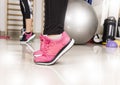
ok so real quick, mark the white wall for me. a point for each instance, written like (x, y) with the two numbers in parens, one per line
(101, 7)
(37, 15)
(3, 15)
(110, 8)
(97, 5)
(105, 8)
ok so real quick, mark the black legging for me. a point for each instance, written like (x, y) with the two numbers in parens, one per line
(26, 11)
(54, 16)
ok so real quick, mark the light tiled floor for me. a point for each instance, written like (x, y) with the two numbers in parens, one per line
(82, 65)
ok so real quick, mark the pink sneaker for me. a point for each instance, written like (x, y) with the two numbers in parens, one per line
(27, 37)
(51, 50)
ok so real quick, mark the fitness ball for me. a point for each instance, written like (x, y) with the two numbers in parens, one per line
(80, 21)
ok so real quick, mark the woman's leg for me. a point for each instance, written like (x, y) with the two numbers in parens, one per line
(27, 18)
(54, 16)
(27, 14)
(53, 48)
(23, 13)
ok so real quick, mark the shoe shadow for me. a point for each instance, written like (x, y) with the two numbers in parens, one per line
(30, 47)
(27, 48)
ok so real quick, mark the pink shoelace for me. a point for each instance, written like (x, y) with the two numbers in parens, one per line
(44, 44)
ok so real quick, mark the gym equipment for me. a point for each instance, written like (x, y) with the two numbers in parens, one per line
(109, 29)
(80, 21)
(111, 44)
(118, 28)
(118, 42)
(97, 38)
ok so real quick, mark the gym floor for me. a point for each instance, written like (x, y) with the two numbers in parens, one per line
(82, 65)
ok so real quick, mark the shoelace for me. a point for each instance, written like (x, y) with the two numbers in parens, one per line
(44, 44)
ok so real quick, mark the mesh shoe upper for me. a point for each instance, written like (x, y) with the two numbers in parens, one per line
(27, 36)
(49, 48)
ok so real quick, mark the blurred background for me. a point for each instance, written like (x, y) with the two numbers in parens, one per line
(11, 18)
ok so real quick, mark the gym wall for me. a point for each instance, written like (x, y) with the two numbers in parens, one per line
(5, 12)
(3, 15)
(103, 8)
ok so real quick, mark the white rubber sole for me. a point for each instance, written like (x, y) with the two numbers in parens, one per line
(32, 37)
(71, 43)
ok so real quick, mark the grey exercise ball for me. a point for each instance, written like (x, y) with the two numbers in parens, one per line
(80, 21)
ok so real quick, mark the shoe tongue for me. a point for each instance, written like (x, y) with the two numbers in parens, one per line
(44, 37)
(47, 38)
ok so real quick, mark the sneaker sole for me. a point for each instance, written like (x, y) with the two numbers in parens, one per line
(32, 37)
(63, 51)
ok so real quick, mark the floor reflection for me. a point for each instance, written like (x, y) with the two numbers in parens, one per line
(82, 65)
